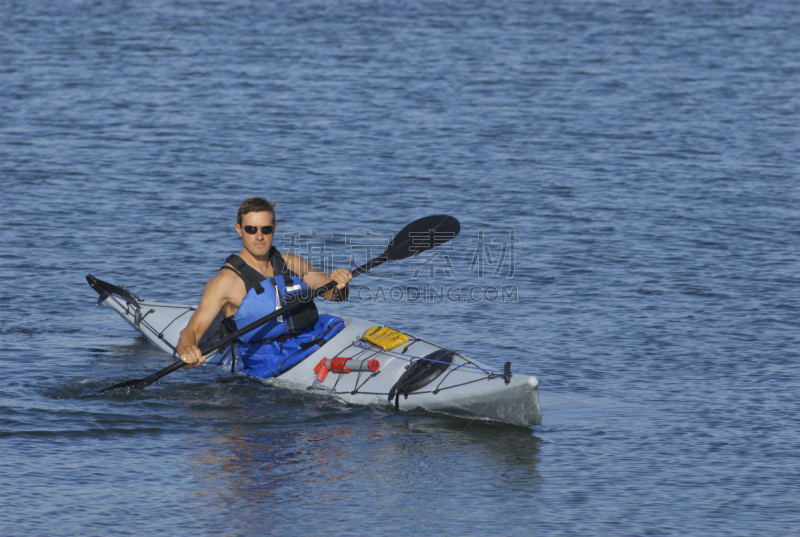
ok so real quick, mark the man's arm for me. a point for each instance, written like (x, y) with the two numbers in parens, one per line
(315, 278)
(215, 296)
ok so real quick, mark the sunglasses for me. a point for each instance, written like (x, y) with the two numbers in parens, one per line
(252, 230)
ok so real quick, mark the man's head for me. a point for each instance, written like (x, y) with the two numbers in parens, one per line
(255, 224)
(255, 205)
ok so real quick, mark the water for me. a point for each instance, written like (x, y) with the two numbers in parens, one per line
(644, 156)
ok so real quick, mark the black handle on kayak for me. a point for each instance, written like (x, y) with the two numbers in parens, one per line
(420, 235)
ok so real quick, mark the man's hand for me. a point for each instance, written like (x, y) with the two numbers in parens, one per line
(342, 277)
(339, 293)
(192, 356)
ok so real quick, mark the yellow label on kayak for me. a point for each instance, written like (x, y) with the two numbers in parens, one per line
(384, 337)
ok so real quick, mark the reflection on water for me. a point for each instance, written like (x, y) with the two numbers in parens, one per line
(258, 471)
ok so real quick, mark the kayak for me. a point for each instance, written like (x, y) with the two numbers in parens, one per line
(412, 375)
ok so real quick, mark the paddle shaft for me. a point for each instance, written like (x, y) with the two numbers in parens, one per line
(215, 345)
(405, 244)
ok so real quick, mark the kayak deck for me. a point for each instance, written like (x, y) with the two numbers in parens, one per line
(463, 387)
(466, 388)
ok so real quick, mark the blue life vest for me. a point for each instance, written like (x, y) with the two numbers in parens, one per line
(286, 341)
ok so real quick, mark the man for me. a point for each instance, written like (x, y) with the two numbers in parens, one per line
(255, 283)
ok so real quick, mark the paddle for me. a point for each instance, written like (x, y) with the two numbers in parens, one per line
(418, 236)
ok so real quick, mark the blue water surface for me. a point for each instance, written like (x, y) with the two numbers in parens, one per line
(626, 177)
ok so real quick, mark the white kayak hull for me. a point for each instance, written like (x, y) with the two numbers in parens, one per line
(466, 388)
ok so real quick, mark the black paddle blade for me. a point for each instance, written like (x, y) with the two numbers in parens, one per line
(138, 384)
(141, 384)
(421, 235)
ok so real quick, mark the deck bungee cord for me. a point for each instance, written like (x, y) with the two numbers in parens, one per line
(141, 322)
(410, 358)
(415, 377)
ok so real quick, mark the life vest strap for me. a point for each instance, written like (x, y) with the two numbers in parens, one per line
(301, 315)
(253, 278)
(250, 276)
(281, 338)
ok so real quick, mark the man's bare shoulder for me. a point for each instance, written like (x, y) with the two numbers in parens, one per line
(225, 284)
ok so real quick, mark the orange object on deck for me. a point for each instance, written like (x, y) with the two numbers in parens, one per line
(342, 364)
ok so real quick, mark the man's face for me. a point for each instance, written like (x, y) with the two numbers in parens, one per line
(259, 243)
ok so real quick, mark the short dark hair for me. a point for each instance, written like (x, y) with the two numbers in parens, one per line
(255, 205)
